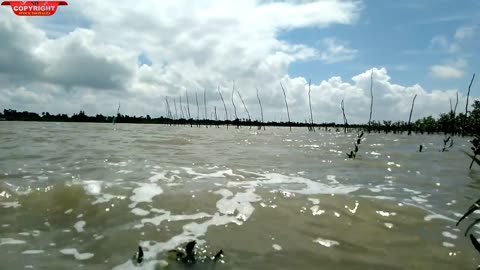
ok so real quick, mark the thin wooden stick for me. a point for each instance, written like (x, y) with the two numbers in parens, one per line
(310, 103)
(181, 108)
(466, 105)
(371, 101)
(410, 117)
(345, 121)
(205, 105)
(286, 105)
(233, 102)
(198, 109)
(261, 109)
(188, 105)
(225, 106)
(244, 106)
(216, 118)
(175, 104)
(205, 102)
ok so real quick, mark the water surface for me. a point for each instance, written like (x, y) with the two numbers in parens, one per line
(85, 195)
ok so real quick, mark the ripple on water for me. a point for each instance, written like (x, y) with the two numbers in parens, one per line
(326, 242)
(77, 255)
(33, 252)
(277, 247)
(11, 241)
(145, 193)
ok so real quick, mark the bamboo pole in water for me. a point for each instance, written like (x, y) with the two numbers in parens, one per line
(466, 106)
(216, 118)
(310, 103)
(198, 110)
(286, 105)
(233, 103)
(371, 101)
(181, 108)
(261, 109)
(175, 104)
(345, 121)
(410, 117)
(225, 106)
(245, 106)
(205, 105)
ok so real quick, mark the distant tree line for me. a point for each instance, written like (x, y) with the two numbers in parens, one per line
(448, 123)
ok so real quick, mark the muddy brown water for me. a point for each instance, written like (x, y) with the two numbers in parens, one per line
(84, 196)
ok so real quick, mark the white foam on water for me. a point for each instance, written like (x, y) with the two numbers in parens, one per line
(217, 174)
(326, 242)
(230, 203)
(32, 252)
(386, 214)
(79, 225)
(124, 171)
(68, 211)
(24, 233)
(314, 201)
(303, 185)
(388, 225)
(118, 164)
(76, 254)
(388, 198)
(354, 210)
(93, 187)
(145, 193)
(105, 197)
(167, 216)
(310, 145)
(29, 266)
(449, 235)
(11, 241)
(447, 244)
(139, 212)
(419, 200)
(437, 216)
(11, 204)
(277, 247)
(316, 211)
(240, 202)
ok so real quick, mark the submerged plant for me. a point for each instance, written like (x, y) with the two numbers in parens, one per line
(138, 256)
(188, 256)
(476, 150)
(353, 154)
(473, 208)
(445, 141)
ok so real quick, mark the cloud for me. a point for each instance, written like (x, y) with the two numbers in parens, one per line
(453, 70)
(335, 52)
(442, 43)
(191, 46)
(464, 32)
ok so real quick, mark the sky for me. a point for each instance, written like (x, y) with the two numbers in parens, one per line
(92, 55)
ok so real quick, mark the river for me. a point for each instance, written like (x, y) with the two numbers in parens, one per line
(86, 195)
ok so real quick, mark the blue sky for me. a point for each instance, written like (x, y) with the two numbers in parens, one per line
(398, 35)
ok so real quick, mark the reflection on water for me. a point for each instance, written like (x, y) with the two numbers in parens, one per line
(87, 195)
